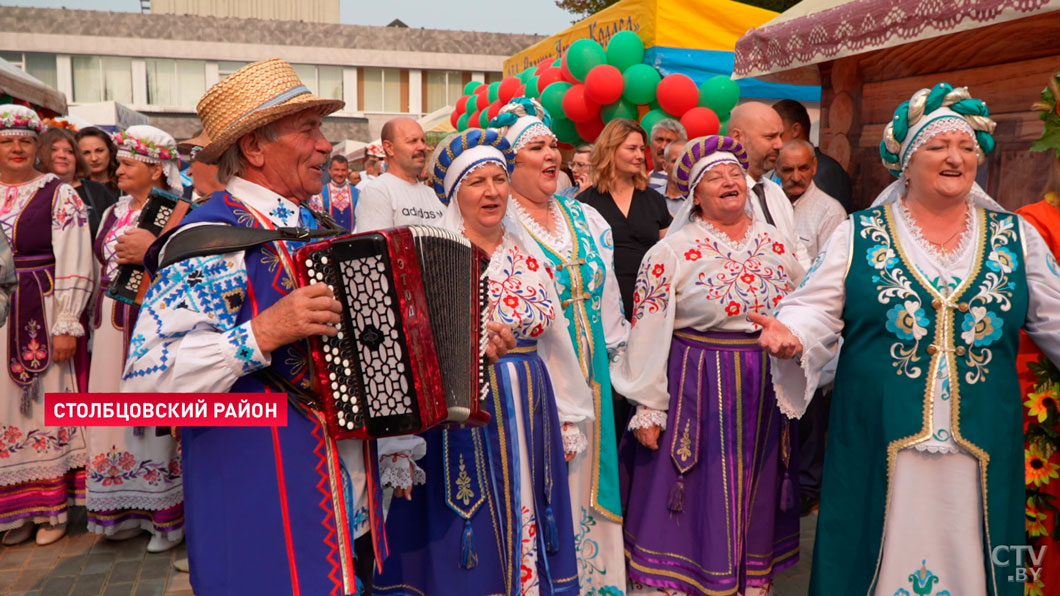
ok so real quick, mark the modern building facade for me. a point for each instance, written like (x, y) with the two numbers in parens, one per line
(161, 64)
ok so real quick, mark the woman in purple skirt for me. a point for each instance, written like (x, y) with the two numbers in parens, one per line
(708, 493)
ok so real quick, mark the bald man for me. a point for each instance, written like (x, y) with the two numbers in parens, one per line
(397, 198)
(758, 128)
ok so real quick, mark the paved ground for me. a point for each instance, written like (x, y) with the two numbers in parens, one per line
(82, 564)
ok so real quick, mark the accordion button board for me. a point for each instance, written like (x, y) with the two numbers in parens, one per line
(409, 350)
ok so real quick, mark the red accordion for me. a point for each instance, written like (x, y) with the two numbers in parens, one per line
(410, 350)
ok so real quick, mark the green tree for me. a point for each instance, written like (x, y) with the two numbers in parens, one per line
(583, 8)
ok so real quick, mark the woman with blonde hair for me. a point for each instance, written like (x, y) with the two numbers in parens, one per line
(636, 213)
(58, 153)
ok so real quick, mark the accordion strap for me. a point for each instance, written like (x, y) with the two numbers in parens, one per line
(218, 239)
(301, 399)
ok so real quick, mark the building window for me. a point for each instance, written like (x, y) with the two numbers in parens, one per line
(178, 83)
(322, 81)
(227, 67)
(382, 90)
(444, 87)
(102, 78)
(40, 66)
(493, 77)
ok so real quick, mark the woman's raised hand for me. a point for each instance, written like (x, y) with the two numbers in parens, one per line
(776, 338)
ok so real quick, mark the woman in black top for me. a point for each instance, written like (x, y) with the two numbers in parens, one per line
(637, 214)
(101, 157)
(57, 152)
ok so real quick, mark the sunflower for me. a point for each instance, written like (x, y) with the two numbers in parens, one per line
(1037, 588)
(1038, 467)
(1038, 402)
(1035, 521)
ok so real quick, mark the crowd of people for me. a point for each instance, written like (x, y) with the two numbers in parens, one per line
(677, 329)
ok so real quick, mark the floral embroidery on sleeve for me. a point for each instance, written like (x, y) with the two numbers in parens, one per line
(651, 293)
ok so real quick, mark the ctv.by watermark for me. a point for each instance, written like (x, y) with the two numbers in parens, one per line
(1025, 561)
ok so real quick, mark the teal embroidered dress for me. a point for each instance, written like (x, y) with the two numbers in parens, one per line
(923, 468)
(580, 251)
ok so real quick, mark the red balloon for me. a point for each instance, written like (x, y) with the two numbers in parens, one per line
(507, 89)
(590, 130)
(521, 92)
(567, 76)
(544, 64)
(547, 77)
(676, 94)
(473, 122)
(700, 122)
(482, 101)
(454, 117)
(604, 84)
(495, 108)
(577, 106)
(460, 105)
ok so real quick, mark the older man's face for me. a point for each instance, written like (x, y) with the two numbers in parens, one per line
(796, 167)
(295, 161)
(662, 138)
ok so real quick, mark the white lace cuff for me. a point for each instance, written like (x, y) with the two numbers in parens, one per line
(795, 380)
(647, 418)
(574, 440)
(397, 470)
(68, 325)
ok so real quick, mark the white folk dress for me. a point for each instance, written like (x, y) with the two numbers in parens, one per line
(34, 457)
(601, 562)
(934, 518)
(133, 479)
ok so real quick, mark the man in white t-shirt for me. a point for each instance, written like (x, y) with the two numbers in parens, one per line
(397, 198)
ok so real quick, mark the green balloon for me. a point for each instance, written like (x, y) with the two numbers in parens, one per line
(494, 92)
(484, 118)
(470, 106)
(652, 118)
(640, 83)
(531, 88)
(471, 86)
(583, 55)
(720, 94)
(552, 97)
(724, 130)
(565, 130)
(619, 109)
(624, 50)
(526, 75)
(461, 122)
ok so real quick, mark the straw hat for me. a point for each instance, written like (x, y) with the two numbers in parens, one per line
(252, 97)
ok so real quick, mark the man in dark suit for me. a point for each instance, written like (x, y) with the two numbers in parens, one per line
(830, 177)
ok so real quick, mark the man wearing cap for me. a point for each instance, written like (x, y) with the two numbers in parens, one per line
(203, 175)
(266, 508)
(397, 197)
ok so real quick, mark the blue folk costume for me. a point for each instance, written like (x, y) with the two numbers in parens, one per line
(267, 513)
(338, 202)
(580, 253)
(494, 514)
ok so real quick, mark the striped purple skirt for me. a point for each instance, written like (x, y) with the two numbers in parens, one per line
(713, 511)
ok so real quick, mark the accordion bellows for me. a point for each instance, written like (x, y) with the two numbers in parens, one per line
(410, 349)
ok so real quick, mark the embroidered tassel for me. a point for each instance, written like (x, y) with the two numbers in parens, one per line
(468, 556)
(676, 502)
(787, 492)
(551, 532)
(25, 405)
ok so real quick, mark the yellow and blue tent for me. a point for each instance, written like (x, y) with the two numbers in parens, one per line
(692, 37)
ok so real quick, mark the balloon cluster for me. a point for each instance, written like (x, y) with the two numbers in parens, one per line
(590, 86)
